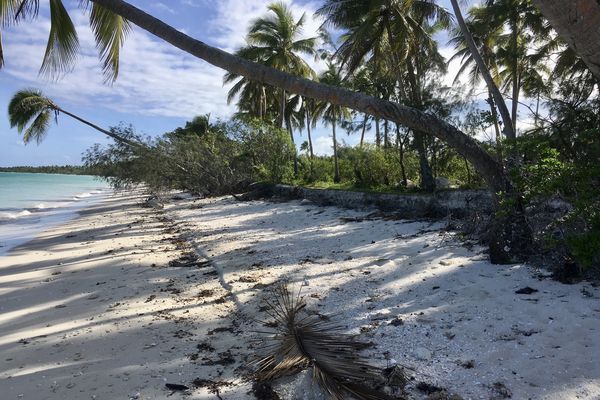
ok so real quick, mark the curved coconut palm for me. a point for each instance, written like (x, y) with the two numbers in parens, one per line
(31, 113)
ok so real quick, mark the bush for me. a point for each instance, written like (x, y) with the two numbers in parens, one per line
(268, 150)
(547, 172)
(316, 169)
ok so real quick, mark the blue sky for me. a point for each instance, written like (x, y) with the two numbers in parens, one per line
(159, 87)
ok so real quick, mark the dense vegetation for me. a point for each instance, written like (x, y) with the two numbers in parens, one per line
(50, 169)
(384, 74)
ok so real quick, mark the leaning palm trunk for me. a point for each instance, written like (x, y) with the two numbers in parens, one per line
(490, 170)
(110, 134)
(577, 22)
(485, 72)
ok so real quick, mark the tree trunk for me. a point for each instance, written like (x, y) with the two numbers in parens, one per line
(1, 53)
(515, 32)
(336, 173)
(490, 101)
(310, 146)
(427, 179)
(576, 22)
(485, 72)
(386, 139)
(291, 132)
(377, 134)
(364, 128)
(491, 171)
(282, 109)
(400, 144)
(515, 102)
(116, 137)
(261, 113)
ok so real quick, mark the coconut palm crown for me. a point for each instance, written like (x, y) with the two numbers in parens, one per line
(273, 40)
(31, 112)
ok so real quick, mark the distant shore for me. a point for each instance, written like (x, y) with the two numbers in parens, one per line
(53, 169)
(124, 299)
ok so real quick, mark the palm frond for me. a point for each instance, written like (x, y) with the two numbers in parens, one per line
(1, 52)
(11, 11)
(302, 340)
(27, 9)
(63, 43)
(110, 31)
(38, 128)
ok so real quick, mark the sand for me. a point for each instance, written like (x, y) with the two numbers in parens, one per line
(104, 307)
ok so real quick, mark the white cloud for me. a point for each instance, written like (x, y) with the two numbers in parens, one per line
(163, 7)
(323, 145)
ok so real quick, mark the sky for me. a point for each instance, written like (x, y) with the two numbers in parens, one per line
(159, 87)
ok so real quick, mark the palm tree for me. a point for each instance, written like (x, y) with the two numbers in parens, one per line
(274, 40)
(331, 113)
(31, 112)
(308, 111)
(520, 27)
(507, 226)
(395, 35)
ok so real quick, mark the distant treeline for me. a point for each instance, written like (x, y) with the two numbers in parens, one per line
(51, 169)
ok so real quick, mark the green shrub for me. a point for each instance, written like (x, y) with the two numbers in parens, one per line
(268, 150)
(317, 169)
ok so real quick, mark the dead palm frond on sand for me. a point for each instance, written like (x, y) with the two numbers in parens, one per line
(302, 340)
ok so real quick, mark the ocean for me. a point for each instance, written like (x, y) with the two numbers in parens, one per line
(31, 203)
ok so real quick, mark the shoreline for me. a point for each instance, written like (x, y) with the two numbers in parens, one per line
(15, 231)
(114, 304)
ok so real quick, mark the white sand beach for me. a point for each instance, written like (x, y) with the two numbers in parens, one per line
(100, 308)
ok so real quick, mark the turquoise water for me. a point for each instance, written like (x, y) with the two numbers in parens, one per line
(30, 203)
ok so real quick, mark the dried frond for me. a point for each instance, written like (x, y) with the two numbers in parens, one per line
(302, 340)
